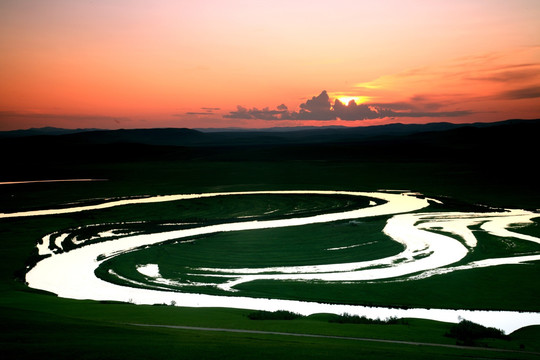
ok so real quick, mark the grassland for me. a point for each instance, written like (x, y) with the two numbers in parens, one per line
(472, 289)
(35, 324)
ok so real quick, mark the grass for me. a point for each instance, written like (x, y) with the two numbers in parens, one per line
(486, 288)
(510, 287)
(305, 245)
(63, 328)
(35, 324)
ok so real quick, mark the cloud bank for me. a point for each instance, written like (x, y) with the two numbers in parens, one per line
(531, 92)
(207, 111)
(321, 108)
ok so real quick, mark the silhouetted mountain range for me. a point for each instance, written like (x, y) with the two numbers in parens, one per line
(513, 139)
(41, 131)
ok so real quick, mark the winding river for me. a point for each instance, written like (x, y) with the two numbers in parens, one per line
(427, 252)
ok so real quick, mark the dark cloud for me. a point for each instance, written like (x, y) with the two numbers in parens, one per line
(263, 114)
(320, 108)
(509, 76)
(352, 111)
(425, 102)
(207, 111)
(531, 92)
(433, 114)
(317, 108)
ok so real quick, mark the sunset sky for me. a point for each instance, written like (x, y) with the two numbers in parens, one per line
(217, 63)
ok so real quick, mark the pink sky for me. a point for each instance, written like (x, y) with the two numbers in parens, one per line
(141, 64)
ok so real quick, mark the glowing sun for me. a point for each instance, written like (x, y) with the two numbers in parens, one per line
(357, 99)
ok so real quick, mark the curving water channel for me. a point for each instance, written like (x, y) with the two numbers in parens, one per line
(427, 252)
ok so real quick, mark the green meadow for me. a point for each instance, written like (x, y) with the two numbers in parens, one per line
(37, 324)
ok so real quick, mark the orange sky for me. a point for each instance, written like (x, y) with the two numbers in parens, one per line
(141, 64)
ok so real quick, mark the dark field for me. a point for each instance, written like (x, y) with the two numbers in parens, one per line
(36, 324)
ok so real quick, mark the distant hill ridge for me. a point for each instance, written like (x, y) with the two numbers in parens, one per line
(502, 144)
(236, 137)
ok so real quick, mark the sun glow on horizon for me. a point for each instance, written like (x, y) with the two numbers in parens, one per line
(345, 99)
(166, 63)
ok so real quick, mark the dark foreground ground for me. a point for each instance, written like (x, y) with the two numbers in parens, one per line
(38, 325)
